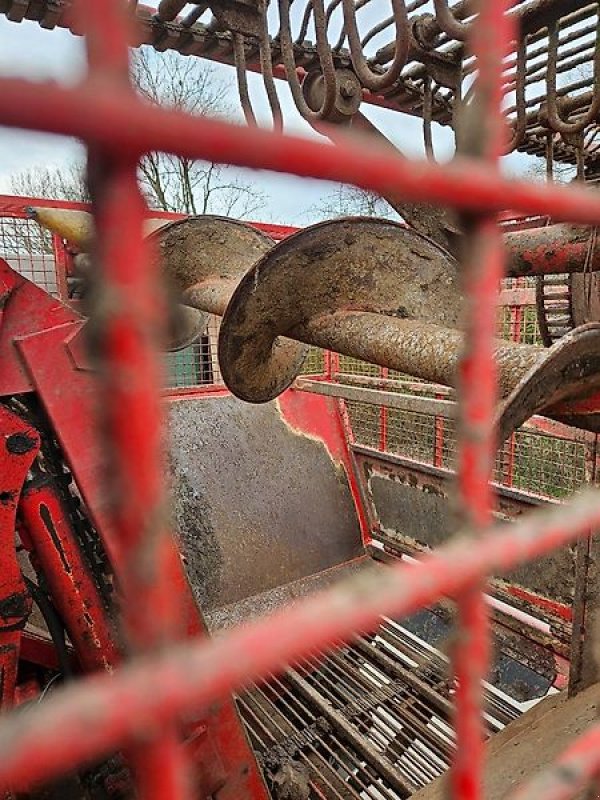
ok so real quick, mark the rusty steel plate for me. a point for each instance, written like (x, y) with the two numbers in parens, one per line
(569, 371)
(351, 264)
(257, 503)
(529, 744)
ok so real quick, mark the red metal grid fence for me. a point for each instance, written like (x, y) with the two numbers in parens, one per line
(139, 706)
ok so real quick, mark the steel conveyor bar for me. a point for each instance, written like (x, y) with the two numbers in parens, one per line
(371, 719)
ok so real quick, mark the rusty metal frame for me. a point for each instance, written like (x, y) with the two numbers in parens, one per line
(187, 35)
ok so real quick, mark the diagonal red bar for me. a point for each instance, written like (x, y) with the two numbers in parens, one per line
(104, 713)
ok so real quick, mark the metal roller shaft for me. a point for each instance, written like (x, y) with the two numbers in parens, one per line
(554, 249)
(427, 351)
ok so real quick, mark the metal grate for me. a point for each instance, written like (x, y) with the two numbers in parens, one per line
(519, 324)
(197, 365)
(542, 465)
(372, 720)
(30, 251)
(140, 706)
(315, 362)
(352, 366)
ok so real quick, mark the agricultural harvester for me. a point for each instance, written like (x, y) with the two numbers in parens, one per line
(292, 590)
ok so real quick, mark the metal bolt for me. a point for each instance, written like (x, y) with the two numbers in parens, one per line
(20, 443)
(347, 88)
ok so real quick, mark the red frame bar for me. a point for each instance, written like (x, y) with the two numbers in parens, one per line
(110, 117)
(383, 417)
(438, 437)
(482, 270)
(125, 338)
(14, 206)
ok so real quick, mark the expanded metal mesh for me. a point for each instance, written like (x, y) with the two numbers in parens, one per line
(519, 324)
(543, 465)
(540, 464)
(315, 362)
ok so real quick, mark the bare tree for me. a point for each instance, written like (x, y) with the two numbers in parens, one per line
(57, 183)
(348, 201)
(174, 183)
(561, 173)
(170, 183)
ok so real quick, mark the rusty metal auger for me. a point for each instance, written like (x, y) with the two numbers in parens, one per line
(348, 285)
(205, 258)
(204, 240)
(357, 286)
(366, 288)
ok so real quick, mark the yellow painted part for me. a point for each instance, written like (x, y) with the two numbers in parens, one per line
(77, 227)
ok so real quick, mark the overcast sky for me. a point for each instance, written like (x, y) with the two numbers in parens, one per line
(26, 50)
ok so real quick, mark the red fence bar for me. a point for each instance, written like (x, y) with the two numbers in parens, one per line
(482, 269)
(438, 438)
(125, 334)
(106, 712)
(383, 416)
(516, 320)
(104, 117)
